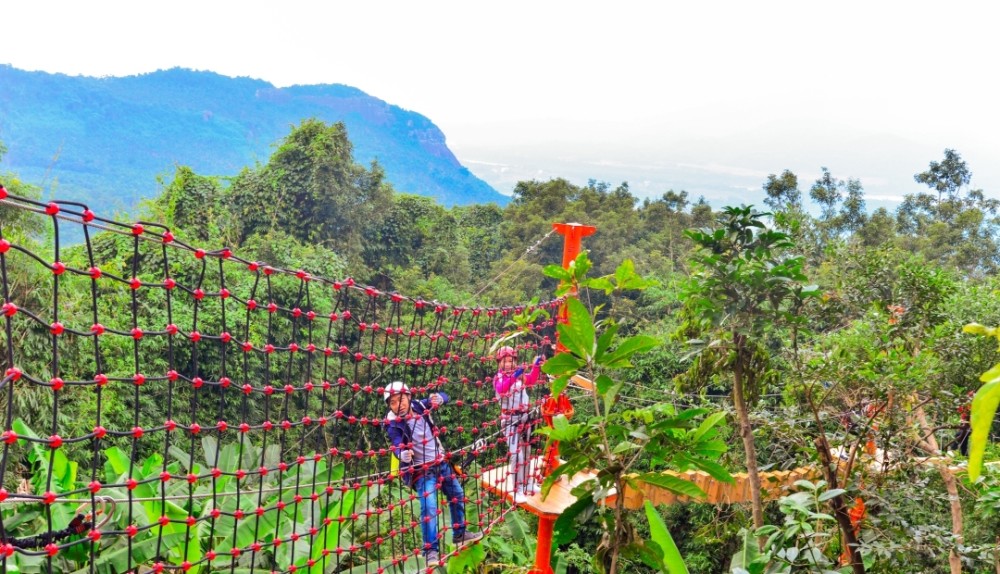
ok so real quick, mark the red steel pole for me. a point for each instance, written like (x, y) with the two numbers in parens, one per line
(573, 234)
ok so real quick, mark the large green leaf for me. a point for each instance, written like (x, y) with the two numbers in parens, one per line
(330, 534)
(210, 445)
(467, 560)
(672, 560)
(747, 560)
(708, 424)
(580, 511)
(610, 395)
(673, 484)
(52, 462)
(605, 340)
(557, 272)
(62, 469)
(562, 364)
(984, 407)
(577, 334)
(621, 355)
(117, 560)
(559, 385)
(562, 430)
(716, 470)
(580, 266)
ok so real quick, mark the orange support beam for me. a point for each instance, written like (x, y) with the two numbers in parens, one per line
(573, 234)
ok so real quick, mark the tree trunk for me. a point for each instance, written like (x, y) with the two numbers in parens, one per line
(621, 529)
(996, 556)
(746, 433)
(930, 444)
(839, 506)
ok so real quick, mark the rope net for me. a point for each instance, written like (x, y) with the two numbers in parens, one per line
(196, 411)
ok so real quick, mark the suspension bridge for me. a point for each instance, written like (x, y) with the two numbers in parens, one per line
(191, 410)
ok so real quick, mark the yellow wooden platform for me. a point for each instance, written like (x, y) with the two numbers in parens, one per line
(500, 482)
(774, 485)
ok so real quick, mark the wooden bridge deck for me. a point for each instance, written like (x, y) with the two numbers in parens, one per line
(500, 482)
(774, 484)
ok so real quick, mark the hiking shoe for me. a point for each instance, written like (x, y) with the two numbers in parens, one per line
(466, 538)
(432, 558)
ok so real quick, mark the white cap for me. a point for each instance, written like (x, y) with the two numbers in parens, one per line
(395, 388)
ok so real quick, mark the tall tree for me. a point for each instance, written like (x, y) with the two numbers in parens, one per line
(826, 192)
(852, 214)
(745, 283)
(783, 191)
(947, 225)
(312, 188)
(947, 176)
(195, 203)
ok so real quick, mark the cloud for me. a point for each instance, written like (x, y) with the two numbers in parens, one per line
(884, 197)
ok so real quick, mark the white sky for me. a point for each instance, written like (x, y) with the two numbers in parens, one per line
(728, 86)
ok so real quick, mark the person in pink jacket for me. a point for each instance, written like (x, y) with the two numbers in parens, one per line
(511, 384)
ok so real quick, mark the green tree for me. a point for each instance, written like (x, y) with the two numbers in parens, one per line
(783, 192)
(877, 229)
(826, 191)
(417, 233)
(480, 235)
(842, 205)
(947, 176)
(196, 204)
(852, 216)
(614, 440)
(744, 284)
(312, 189)
(663, 221)
(948, 226)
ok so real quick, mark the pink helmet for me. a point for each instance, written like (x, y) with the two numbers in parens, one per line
(506, 351)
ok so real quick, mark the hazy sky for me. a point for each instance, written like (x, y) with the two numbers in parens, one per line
(705, 96)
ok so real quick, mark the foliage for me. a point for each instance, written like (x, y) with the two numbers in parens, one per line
(984, 406)
(948, 226)
(881, 342)
(745, 284)
(312, 189)
(221, 534)
(613, 440)
(800, 543)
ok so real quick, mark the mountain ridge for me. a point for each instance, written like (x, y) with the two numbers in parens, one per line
(110, 138)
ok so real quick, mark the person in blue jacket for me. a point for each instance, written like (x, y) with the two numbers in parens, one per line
(424, 466)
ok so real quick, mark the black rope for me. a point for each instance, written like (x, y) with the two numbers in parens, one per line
(77, 526)
(371, 338)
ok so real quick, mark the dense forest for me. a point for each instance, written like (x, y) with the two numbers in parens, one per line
(812, 323)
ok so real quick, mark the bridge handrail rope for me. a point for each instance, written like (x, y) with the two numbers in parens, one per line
(271, 391)
(530, 249)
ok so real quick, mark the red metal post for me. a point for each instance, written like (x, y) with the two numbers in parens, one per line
(572, 233)
(543, 551)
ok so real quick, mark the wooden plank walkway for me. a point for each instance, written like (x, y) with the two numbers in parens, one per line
(500, 482)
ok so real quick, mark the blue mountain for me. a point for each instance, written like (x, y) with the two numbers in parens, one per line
(108, 141)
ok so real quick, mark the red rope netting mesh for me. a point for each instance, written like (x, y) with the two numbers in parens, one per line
(167, 407)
